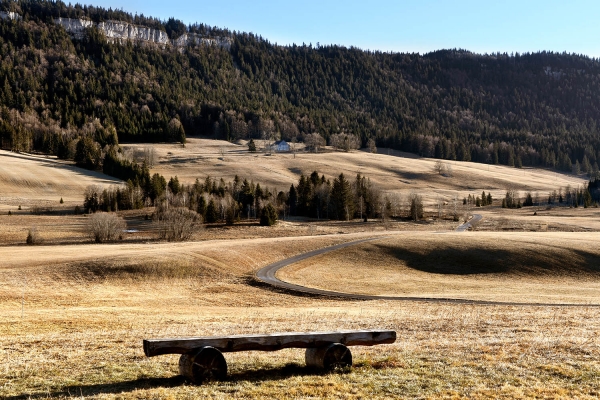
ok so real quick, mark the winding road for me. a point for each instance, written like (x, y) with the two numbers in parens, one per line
(465, 227)
(268, 276)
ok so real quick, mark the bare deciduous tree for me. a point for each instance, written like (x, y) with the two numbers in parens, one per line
(438, 167)
(447, 170)
(345, 142)
(314, 142)
(397, 204)
(416, 206)
(176, 223)
(371, 145)
(455, 207)
(104, 227)
(439, 204)
(150, 156)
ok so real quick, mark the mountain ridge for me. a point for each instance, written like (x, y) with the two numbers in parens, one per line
(538, 109)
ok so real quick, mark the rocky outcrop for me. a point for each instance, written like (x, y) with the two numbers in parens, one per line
(124, 31)
(9, 15)
(120, 31)
(188, 39)
(76, 27)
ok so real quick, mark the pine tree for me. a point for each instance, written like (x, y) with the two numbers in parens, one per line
(342, 199)
(292, 200)
(268, 215)
(212, 213)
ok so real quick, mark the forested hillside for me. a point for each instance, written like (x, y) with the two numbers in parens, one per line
(78, 97)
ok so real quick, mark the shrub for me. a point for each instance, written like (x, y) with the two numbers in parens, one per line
(104, 227)
(33, 236)
(251, 146)
(268, 215)
(176, 223)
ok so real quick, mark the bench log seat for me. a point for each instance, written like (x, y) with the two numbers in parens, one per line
(202, 358)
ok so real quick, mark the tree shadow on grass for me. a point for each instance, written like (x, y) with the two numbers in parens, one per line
(104, 388)
(256, 376)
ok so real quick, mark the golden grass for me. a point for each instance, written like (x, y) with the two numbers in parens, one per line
(509, 267)
(393, 171)
(562, 219)
(87, 307)
(73, 314)
(30, 180)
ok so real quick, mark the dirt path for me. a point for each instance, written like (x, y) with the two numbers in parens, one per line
(267, 275)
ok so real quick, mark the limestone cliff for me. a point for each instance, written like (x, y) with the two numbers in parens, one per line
(120, 31)
(9, 15)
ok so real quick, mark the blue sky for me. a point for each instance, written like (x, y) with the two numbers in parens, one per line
(400, 26)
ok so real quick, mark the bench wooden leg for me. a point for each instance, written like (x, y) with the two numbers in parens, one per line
(203, 364)
(334, 356)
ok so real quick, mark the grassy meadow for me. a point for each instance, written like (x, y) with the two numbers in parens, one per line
(73, 314)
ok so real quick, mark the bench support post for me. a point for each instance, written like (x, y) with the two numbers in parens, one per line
(203, 364)
(330, 357)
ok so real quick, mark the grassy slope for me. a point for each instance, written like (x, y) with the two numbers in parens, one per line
(513, 267)
(397, 172)
(74, 319)
(38, 180)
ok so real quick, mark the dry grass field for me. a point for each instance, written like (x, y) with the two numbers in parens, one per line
(33, 180)
(490, 266)
(73, 314)
(392, 171)
(73, 320)
(553, 219)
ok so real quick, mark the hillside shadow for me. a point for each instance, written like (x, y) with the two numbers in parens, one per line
(255, 376)
(481, 261)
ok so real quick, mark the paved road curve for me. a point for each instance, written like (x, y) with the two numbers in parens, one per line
(267, 275)
(465, 227)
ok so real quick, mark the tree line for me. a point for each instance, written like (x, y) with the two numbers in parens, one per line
(587, 195)
(216, 201)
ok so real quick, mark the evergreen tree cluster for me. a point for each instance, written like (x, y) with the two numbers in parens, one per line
(318, 197)
(583, 196)
(537, 109)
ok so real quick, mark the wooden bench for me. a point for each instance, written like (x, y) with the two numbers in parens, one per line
(202, 357)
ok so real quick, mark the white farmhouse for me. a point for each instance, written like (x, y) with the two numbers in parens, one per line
(281, 146)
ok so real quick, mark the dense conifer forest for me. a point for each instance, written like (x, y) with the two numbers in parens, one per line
(78, 98)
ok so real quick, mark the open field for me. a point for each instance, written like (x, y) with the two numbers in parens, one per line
(73, 314)
(546, 219)
(32, 180)
(73, 320)
(393, 171)
(506, 267)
